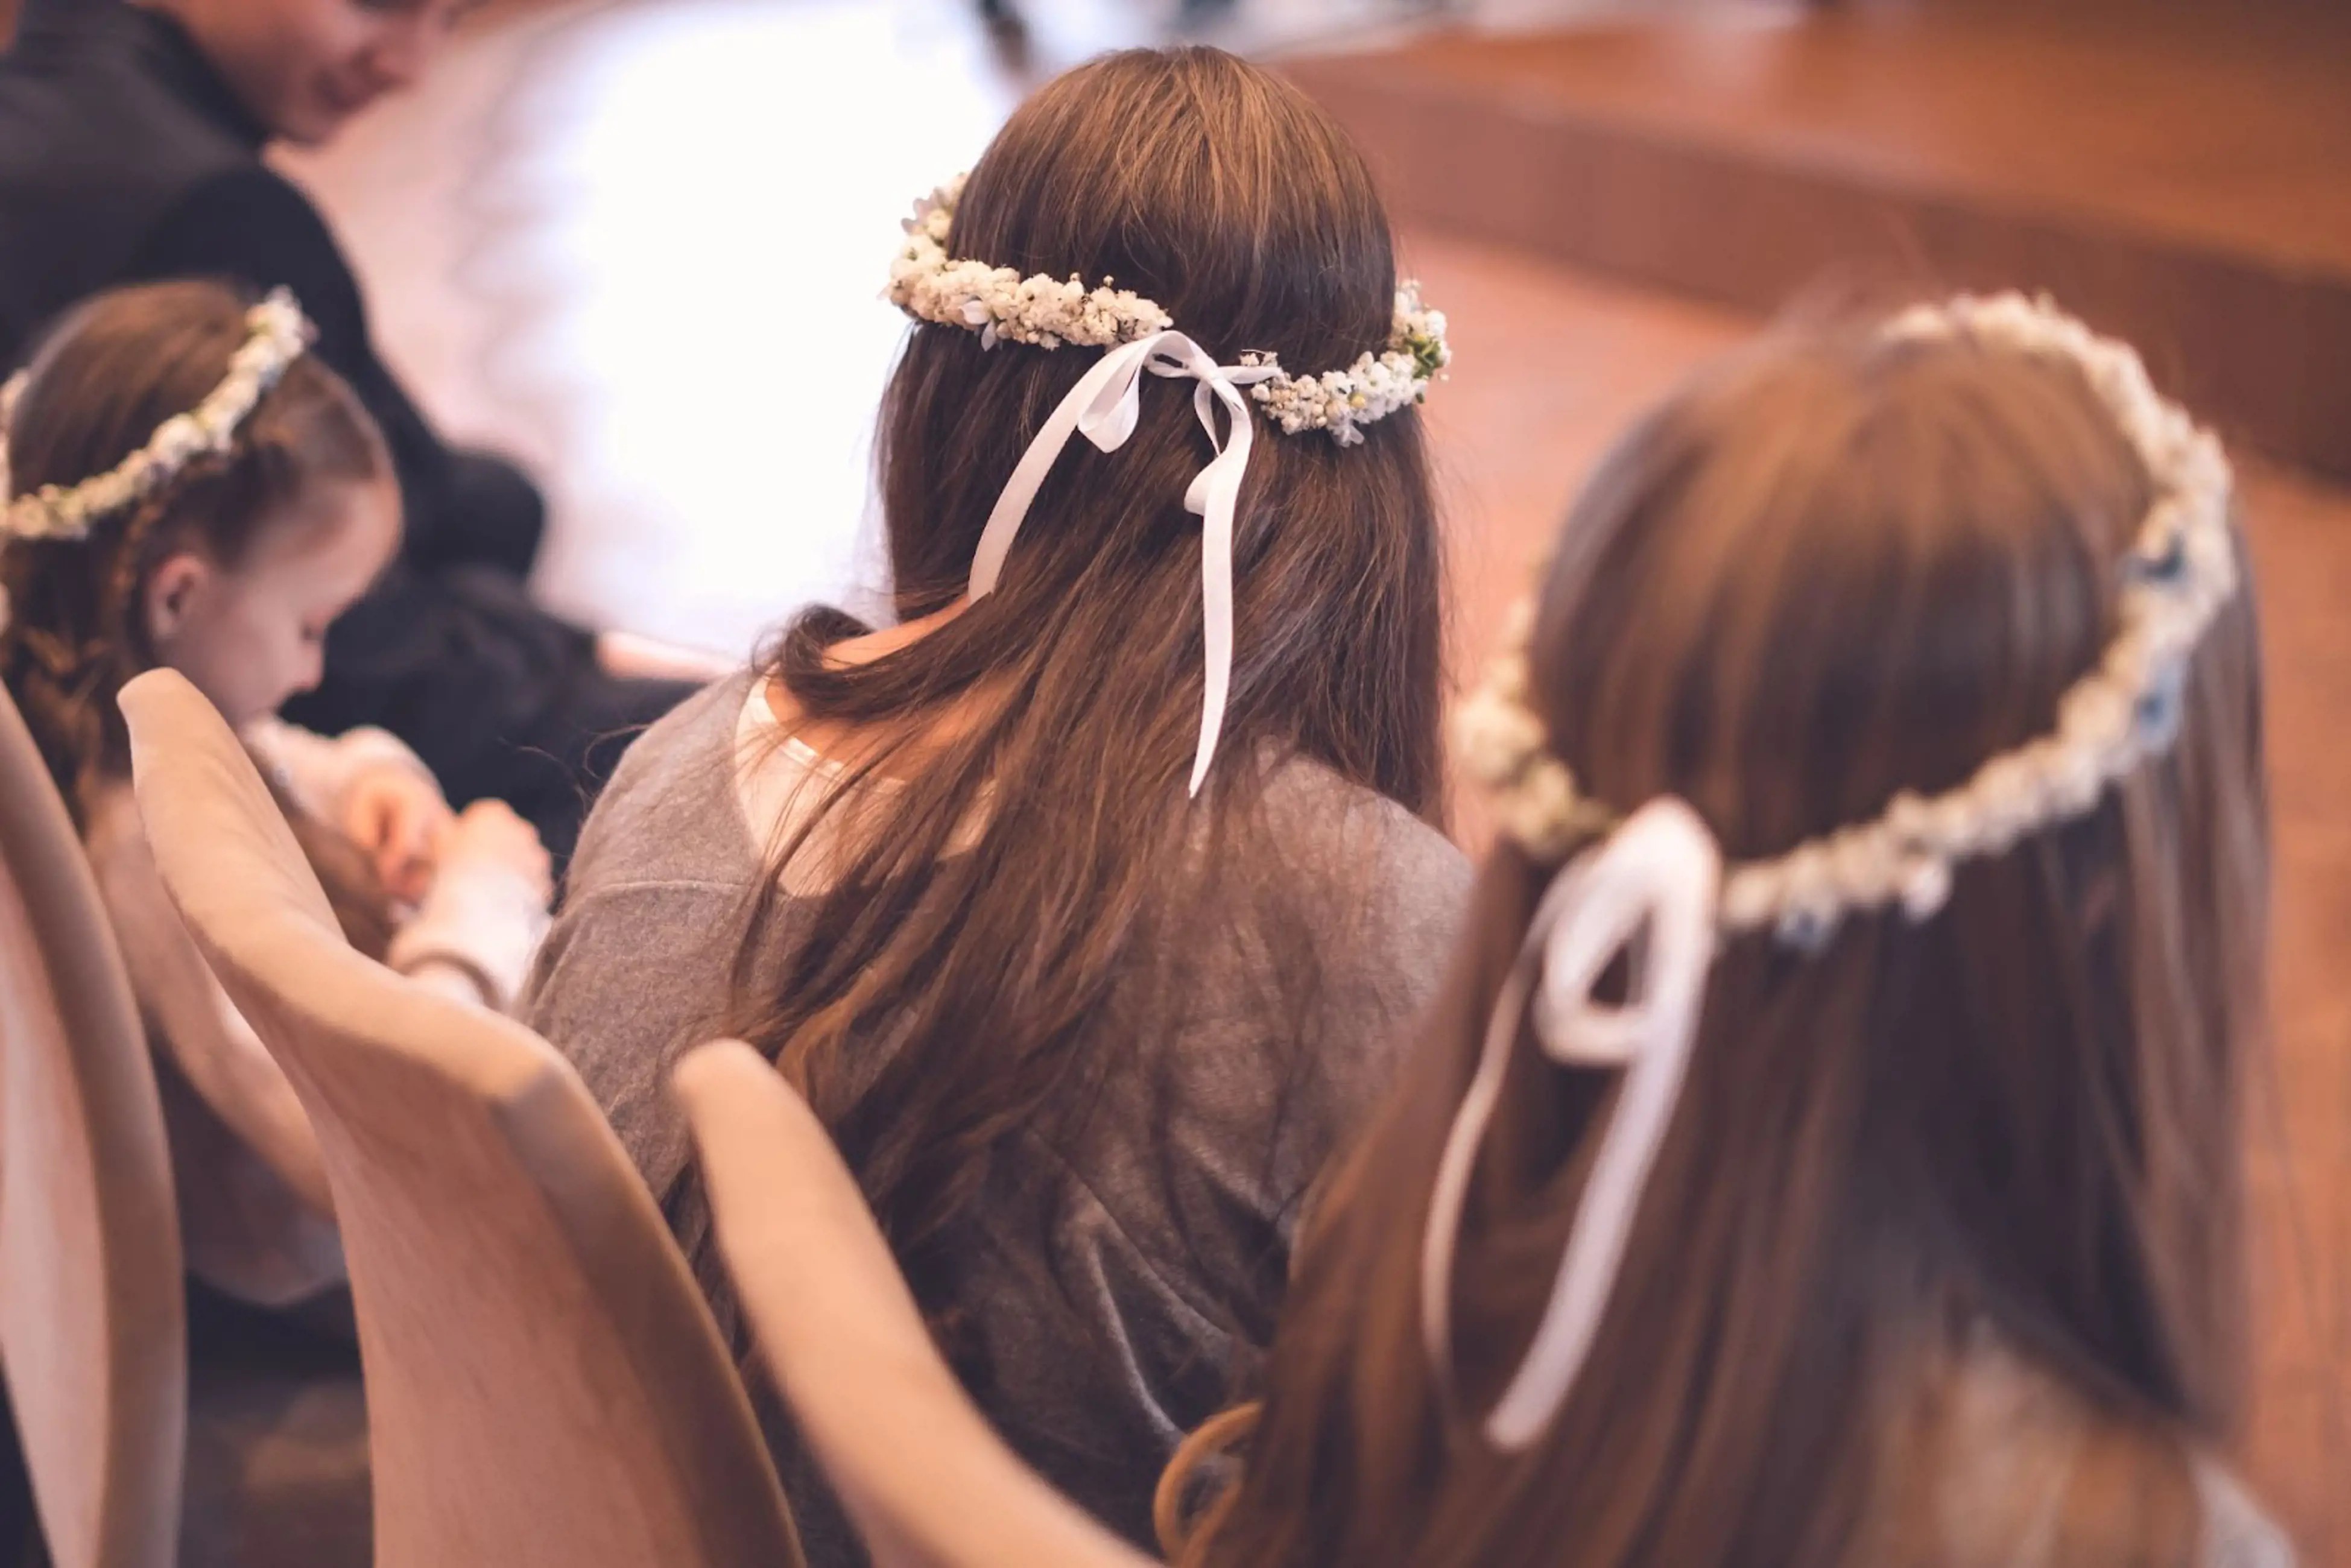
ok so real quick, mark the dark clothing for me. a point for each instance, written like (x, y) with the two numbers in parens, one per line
(505, 515)
(125, 159)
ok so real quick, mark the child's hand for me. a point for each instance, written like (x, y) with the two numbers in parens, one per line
(397, 816)
(488, 833)
(486, 912)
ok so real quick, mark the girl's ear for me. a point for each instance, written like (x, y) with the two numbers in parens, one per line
(173, 592)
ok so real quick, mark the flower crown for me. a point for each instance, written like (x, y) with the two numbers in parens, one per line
(2181, 568)
(1047, 313)
(277, 334)
(1658, 876)
(1140, 342)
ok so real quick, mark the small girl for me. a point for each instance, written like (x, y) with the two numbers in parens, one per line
(1836, 1159)
(241, 499)
(1083, 903)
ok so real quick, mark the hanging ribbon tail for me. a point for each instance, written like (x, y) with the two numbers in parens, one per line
(1216, 614)
(1103, 405)
(1215, 498)
(1656, 878)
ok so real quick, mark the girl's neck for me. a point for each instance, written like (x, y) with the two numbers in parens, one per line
(849, 743)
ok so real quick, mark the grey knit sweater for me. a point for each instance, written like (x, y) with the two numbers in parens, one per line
(1123, 1270)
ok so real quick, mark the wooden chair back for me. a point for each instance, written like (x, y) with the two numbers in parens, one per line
(545, 1385)
(925, 1478)
(93, 1323)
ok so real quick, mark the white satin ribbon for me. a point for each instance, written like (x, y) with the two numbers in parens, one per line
(1104, 407)
(1658, 872)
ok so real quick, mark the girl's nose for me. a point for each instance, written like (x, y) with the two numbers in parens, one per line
(310, 671)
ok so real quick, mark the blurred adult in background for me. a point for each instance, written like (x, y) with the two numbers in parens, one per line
(131, 142)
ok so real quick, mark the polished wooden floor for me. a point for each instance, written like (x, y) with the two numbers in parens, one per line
(606, 237)
(2175, 172)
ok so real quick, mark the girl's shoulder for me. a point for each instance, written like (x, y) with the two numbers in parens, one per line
(697, 730)
(1320, 935)
(114, 840)
(2033, 1472)
(1328, 832)
(168, 974)
(111, 831)
(671, 810)
(1368, 895)
(2237, 1532)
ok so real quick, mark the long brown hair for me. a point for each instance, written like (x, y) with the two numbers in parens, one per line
(103, 382)
(2006, 1137)
(1223, 193)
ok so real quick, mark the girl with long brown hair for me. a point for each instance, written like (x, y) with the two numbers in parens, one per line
(1836, 1159)
(1082, 902)
(183, 484)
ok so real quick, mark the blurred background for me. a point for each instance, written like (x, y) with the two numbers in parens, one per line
(640, 244)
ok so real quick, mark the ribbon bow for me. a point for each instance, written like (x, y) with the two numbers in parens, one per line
(1104, 407)
(1657, 874)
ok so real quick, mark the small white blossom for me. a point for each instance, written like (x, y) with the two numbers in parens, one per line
(1924, 886)
(1543, 813)
(1497, 736)
(998, 302)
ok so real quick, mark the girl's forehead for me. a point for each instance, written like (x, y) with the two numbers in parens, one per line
(332, 522)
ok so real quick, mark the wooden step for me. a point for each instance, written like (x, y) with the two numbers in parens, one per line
(2182, 178)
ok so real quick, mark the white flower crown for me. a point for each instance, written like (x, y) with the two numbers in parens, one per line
(277, 334)
(2183, 567)
(1047, 313)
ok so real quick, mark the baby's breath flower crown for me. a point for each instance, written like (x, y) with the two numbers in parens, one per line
(2181, 568)
(276, 335)
(1047, 313)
